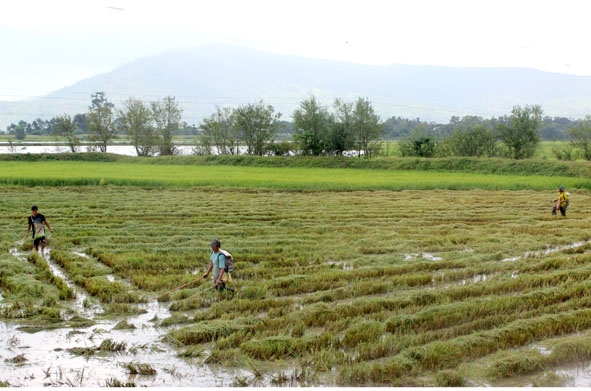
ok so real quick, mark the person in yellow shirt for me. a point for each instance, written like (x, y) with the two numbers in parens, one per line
(561, 202)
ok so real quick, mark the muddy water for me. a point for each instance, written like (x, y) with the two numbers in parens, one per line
(574, 375)
(547, 251)
(43, 359)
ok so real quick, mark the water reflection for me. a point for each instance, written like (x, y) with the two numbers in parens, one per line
(48, 357)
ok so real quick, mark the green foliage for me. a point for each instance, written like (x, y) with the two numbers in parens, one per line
(167, 118)
(366, 128)
(257, 126)
(19, 130)
(66, 127)
(580, 136)
(473, 141)
(101, 121)
(313, 125)
(564, 152)
(136, 119)
(417, 144)
(281, 148)
(218, 132)
(520, 131)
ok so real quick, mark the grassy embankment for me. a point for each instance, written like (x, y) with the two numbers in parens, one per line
(448, 283)
(333, 174)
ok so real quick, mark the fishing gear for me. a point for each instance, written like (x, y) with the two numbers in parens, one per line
(178, 287)
(204, 290)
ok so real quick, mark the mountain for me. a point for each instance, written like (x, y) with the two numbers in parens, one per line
(223, 75)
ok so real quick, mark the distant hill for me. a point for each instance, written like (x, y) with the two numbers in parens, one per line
(223, 75)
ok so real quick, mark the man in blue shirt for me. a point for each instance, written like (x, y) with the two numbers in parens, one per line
(218, 264)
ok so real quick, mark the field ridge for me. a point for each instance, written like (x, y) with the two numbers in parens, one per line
(459, 164)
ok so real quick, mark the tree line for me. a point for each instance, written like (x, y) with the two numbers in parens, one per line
(252, 129)
(351, 126)
(315, 129)
(515, 136)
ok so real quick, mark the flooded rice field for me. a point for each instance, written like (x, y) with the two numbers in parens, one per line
(106, 354)
(77, 356)
(473, 299)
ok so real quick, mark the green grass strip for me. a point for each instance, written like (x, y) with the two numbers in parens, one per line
(76, 173)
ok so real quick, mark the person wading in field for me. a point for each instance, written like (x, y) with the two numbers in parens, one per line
(36, 224)
(561, 202)
(217, 264)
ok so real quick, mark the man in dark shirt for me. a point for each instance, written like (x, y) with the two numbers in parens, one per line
(36, 224)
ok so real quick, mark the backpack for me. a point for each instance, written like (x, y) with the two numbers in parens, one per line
(567, 199)
(229, 261)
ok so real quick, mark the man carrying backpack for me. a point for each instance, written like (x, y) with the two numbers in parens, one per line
(561, 202)
(218, 265)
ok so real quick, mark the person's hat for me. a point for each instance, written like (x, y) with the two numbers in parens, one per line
(561, 188)
(216, 242)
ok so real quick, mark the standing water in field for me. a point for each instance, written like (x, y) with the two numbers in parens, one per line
(132, 350)
(104, 354)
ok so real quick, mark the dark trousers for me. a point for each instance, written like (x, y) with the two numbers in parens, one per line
(222, 287)
(562, 210)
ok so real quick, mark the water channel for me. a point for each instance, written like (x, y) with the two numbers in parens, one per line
(44, 358)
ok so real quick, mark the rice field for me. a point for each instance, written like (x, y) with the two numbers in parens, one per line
(351, 286)
(159, 174)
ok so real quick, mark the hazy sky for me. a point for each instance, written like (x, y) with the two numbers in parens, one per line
(49, 44)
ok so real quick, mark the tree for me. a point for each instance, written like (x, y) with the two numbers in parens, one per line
(257, 126)
(519, 131)
(419, 143)
(101, 126)
(65, 127)
(80, 122)
(580, 136)
(136, 120)
(367, 129)
(475, 141)
(19, 130)
(398, 127)
(312, 127)
(341, 137)
(472, 137)
(167, 116)
(40, 127)
(218, 131)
